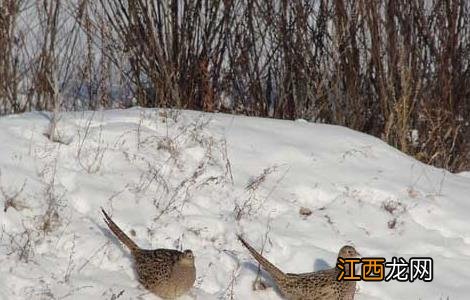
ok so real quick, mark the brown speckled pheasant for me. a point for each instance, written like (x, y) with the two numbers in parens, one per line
(167, 273)
(321, 285)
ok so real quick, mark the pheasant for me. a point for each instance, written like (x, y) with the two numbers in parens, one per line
(320, 285)
(167, 273)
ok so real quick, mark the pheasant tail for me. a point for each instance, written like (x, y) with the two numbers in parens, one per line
(124, 238)
(269, 267)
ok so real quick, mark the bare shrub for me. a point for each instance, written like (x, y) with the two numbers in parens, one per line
(251, 202)
(21, 244)
(175, 49)
(91, 149)
(10, 69)
(398, 70)
(50, 219)
(358, 64)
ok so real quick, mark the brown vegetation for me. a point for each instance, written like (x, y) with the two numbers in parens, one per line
(399, 70)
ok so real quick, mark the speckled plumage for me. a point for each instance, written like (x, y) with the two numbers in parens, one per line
(321, 285)
(167, 273)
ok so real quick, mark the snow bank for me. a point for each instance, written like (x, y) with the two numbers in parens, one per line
(183, 179)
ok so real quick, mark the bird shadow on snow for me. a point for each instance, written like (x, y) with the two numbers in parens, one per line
(320, 265)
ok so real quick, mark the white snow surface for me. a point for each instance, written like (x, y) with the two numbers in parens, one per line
(189, 180)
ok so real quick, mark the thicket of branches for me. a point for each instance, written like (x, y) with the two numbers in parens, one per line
(397, 69)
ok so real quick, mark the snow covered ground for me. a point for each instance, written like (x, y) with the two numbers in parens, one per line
(182, 179)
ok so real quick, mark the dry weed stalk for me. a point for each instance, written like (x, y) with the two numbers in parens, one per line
(398, 70)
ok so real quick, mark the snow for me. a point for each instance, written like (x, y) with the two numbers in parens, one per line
(184, 179)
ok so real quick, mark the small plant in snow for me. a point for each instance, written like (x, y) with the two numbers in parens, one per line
(394, 208)
(50, 218)
(19, 243)
(305, 211)
(12, 199)
(249, 204)
(90, 157)
(169, 145)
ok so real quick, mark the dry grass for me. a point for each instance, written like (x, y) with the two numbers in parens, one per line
(398, 70)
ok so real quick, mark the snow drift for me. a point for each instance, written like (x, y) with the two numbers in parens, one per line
(183, 179)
